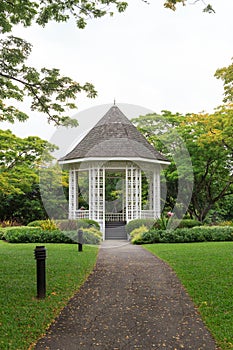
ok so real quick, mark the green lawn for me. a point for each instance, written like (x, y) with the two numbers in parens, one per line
(206, 270)
(23, 318)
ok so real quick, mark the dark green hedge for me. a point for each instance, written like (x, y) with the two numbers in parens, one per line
(25, 234)
(158, 224)
(185, 235)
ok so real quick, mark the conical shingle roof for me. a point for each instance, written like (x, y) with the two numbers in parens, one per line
(114, 136)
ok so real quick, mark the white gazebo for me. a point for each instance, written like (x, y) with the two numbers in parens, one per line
(114, 155)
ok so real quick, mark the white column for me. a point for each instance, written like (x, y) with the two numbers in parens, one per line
(133, 192)
(72, 194)
(139, 192)
(126, 195)
(91, 192)
(96, 192)
(156, 193)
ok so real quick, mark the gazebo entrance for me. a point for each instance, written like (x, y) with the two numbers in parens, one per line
(111, 192)
(115, 210)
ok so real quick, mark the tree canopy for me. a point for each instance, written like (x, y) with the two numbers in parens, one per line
(208, 138)
(50, 92)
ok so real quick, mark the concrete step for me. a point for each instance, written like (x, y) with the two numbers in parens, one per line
(117, 233)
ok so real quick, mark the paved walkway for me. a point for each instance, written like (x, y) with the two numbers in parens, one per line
(132, 300)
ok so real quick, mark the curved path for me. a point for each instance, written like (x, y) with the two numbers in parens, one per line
(132, 300)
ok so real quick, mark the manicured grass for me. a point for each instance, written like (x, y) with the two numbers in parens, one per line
(206, 271)
(23, 318)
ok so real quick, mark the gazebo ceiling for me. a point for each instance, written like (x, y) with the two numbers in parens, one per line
(114, 136)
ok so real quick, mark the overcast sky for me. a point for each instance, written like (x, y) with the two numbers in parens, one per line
(147, 56)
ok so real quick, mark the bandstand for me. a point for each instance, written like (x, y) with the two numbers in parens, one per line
(114, 156)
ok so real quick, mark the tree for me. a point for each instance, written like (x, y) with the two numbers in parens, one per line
(209, 142)
(54, 183)
(19, 160)
(172, 4)
(226, 75)
(50, 92)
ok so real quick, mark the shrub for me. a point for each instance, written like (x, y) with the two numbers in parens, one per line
(36, 223)
(49, 225)
(2, 231)
(70, 225)
(132, 225)
(90, 236)
(138, 231)
(9, 223)
(225, 223)
(136, 234)
(185, 235)
(25, 234)
(189, 223)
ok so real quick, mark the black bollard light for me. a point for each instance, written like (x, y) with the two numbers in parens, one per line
(80, 240)
(40, 256)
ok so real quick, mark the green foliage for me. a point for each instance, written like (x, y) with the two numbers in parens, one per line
(158, 224)
(19, 161)
(9, 223)
(36, 223)
(189, 223)
(132, 225)
(49, 225)
(49, 91)
(90, 236)
(185, 235)
(226, 75)
(172, 5)
(86, 223)
(203, 168)
(66, 272)
(54, 184)
(25, 234)
(225, 223)
(138, 230)
(44, 11)
(137, 233)
(46, 231)
(69, 225)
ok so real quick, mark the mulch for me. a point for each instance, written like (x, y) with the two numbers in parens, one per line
(132, 300)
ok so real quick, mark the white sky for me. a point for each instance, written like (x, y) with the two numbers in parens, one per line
(147, 56)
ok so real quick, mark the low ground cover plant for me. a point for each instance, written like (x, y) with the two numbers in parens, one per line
(205, 269)
(23, 317)
(137, 232)
(132, 225)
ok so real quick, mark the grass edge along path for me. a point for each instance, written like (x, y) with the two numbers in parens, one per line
(24, 318)
(206, 271)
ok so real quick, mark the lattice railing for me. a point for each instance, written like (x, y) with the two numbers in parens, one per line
(114, 217)
(82, 214)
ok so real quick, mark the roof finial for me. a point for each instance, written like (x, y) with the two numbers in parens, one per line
(114, 102)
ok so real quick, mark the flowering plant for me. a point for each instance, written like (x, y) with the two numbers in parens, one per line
(164, 219)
